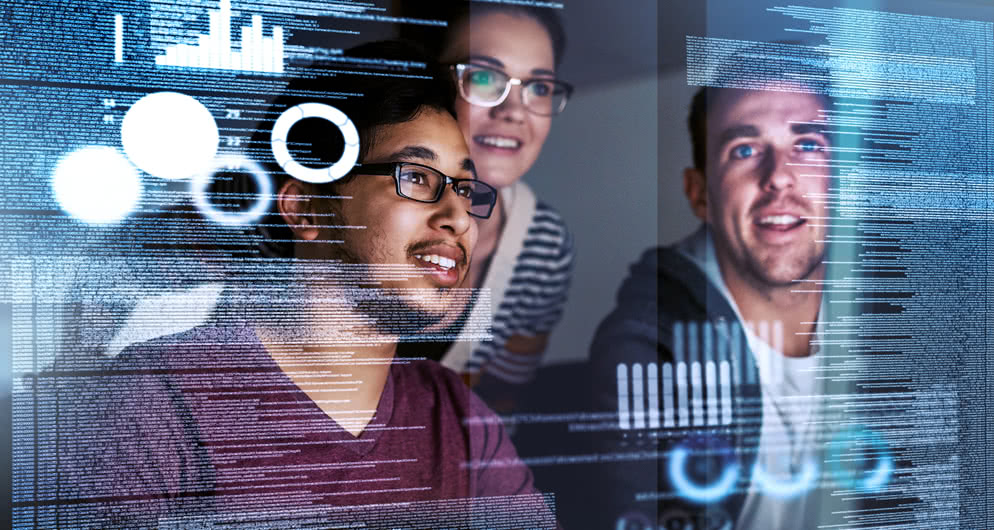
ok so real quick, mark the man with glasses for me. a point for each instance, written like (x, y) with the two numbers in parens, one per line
(291, 407)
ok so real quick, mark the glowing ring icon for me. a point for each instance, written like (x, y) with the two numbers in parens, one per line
(709, 493)
(874, 480)
(633, 520)
(786, 489)
(236, 162)
(315, 175)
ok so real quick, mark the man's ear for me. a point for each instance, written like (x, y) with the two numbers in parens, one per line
(297, 209)
(695, 186)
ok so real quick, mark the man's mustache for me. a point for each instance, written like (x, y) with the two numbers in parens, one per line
(428, 244)
(786, 201)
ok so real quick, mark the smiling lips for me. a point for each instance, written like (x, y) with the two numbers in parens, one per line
(435, 259)
(780, 228)
(780, 222)
(442, 260)
(494, 142)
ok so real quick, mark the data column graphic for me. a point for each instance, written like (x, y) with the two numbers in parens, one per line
(253, 53)
(118, 38)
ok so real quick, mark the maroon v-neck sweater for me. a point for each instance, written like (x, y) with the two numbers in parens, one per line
(205, 424)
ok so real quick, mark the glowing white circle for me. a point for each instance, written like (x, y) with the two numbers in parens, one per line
(96, 184)
(233, 162)
(169, 135)
(315, 175)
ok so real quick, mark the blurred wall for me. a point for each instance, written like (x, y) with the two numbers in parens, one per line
(613, 166)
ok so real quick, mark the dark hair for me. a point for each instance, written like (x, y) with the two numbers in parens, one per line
(458, 12)
(394, 82)
(753, 68)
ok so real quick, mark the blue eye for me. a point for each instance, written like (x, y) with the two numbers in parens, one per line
(743, 151)
(809, 146)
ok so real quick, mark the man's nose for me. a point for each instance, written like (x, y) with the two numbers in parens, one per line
(450, 214)
(777, 171)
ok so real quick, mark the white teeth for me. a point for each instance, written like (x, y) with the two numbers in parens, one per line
(498, 141)
(435, 259)
(779, 219)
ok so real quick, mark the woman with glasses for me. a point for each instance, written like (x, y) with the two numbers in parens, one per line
(504, 59)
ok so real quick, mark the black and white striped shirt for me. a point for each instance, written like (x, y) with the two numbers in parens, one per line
(529, 278)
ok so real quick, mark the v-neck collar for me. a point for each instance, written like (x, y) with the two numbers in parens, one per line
(371, 433)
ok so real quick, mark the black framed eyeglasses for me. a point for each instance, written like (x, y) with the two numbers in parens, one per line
(489, 87)
(426, 184)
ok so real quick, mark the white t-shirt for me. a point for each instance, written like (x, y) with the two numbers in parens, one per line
(787, 452)
(782, 494)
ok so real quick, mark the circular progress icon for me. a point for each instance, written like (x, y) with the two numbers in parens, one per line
(315, 175)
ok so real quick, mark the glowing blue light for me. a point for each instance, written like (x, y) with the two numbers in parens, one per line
(96, 184)
(861, 437)
(632, 520)
(879, 477)
(697, 493)
(169, 135)
(785, 489)
(233, 163)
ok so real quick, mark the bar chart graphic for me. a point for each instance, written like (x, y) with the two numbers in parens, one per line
(118, 38)
(215, 50)
(693, 395)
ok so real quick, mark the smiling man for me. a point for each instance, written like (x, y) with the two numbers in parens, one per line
(290, 408)
(760, 186)
(726, 320)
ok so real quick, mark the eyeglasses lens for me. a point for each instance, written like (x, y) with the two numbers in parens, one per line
(545, 97)
(482, 201)
(424, 184)
(486, 87)
(419, 183)
(483, 86)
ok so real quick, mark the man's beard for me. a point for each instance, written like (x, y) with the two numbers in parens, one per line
(389, 311)
(767, 276)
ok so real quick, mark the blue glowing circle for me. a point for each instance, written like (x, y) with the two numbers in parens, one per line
(785, 489)
(236, 163)
(169, 135)
(633, 521)
(315, 175)
(686, 488)
(861, 437)
(96, 184)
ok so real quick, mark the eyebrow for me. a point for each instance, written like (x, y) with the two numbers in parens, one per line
(421, 152)
(415, 151)
(468, 165)
(751, 131)
(493, 61)
(806, 128)
(736, 132)
(487, 59)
